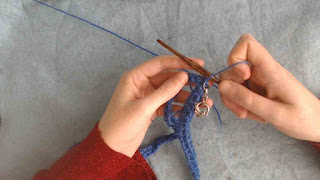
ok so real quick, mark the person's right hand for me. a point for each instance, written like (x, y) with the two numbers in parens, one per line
(272, 94)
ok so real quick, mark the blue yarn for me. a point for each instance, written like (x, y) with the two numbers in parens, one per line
(113, 33)
(180, 124)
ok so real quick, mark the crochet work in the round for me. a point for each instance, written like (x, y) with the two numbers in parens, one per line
(180, 124)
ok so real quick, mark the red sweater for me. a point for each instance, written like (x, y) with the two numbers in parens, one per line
(93, 159)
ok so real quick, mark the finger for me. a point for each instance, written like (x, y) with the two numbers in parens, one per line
(236, 109)
(160, 78)
(240, 111)
(254, 117)
(166, 91)
(232, 75)
(182, 96)
(209, 102)
(175, 108)
(261, 106)
(160, 63)
(197, 60)
(243, 71)
(268, 72)
(248, 49)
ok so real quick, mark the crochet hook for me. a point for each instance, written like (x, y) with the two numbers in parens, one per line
(191, 63)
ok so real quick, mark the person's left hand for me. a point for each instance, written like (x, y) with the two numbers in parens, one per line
(139, 98)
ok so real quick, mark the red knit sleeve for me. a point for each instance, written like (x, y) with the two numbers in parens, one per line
(93, 159)
(316, 146)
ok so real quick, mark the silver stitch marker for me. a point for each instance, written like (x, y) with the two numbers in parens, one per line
(201, 108)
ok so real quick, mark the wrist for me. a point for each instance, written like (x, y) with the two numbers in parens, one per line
(113, 142)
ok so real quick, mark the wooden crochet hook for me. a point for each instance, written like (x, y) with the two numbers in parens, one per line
(191, 63)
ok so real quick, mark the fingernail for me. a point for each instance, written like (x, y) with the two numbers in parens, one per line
(242, 116)
(224, 86)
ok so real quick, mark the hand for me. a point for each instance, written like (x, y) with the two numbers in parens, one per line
(273, 95)
(139, 98)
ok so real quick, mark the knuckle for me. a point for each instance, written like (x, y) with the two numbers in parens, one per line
(249, 99)
(226, 88)
(164, 91)
(163, 61)
(231, 59)
(126, 76)
(280, 116)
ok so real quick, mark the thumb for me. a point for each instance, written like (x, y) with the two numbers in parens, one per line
(167, 90)
(259, 105)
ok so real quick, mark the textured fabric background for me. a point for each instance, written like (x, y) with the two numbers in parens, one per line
(57, 75)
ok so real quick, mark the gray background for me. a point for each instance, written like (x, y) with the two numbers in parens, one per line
(57, 75)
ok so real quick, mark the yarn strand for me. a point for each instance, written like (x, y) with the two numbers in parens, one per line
(108, 31)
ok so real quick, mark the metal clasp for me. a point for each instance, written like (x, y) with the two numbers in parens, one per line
(201, 108)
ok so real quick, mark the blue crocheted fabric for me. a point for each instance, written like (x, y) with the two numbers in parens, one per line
(181, 125)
